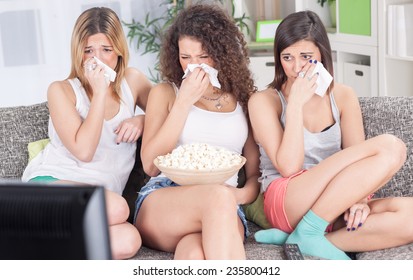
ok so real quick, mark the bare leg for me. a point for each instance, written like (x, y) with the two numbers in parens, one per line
(124, 237)
(388, 225)
(345, 178)
(168, 215)
(125, 240)
(190, 248)
(334, 185)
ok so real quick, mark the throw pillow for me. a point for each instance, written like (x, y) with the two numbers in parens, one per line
(36, 147)
(254, 212)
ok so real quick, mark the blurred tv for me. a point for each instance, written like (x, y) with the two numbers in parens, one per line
(53, 222)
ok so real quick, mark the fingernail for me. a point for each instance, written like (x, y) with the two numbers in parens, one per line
(353, 229)
(315, 61)
(348, 229)
(117, 143)
(360, 224)
(311, 61)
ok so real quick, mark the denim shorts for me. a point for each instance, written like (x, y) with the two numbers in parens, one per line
(156, 183)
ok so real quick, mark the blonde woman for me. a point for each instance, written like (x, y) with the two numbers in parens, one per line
(92, 127)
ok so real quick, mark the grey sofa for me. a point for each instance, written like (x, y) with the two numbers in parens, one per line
(24, 124)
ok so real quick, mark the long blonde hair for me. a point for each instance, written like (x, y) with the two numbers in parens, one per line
(90, 22)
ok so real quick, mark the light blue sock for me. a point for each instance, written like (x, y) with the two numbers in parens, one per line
(271, 236)
(309, 235)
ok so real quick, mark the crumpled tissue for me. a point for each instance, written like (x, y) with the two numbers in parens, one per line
(110, 74)
(324, 79)
(212, 72)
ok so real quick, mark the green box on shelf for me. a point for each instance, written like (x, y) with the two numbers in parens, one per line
(355, 17)
(266, 30)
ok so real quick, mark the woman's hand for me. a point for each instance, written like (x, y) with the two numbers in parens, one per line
(304, 86)
(130, 129)
(193, 86)
(356, 216)
(95, 74)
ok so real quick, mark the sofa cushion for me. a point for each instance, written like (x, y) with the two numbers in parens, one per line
(404, 252)
(34, 148)
(392, 115)
(254, 212)
(18, 127)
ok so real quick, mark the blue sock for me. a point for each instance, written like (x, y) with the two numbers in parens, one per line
(309, 235)
(271, 236)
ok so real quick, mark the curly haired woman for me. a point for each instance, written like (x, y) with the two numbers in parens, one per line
(199, 221)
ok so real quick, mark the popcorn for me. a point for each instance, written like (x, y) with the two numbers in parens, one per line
(199, 156)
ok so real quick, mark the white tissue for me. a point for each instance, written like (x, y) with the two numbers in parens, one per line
(110, 74)
(324, 79)
(212, 72)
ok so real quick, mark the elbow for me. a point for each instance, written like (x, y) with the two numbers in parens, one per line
(288, 172)
(151, 172)
(288, 168)
(150, 169)
(85, 156)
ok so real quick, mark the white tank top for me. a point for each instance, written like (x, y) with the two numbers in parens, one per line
(111, 164)
(228, 130)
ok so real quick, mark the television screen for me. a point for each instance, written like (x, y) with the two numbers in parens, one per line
(56, 222)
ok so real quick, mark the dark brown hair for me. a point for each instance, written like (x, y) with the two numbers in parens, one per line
(221, 40)
(304, 25)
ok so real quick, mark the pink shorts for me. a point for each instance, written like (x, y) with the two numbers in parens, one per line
(274, 198)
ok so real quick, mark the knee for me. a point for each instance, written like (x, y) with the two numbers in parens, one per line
(129, 245)
(394, 150)
(222, 200)
(191, 253)
(118, 212)
(406, 205)
(135, 242)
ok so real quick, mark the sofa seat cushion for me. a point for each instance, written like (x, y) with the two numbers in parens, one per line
(397, 253)
(253, 250)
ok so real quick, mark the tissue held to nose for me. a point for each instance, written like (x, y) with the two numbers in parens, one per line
(212, 72)
(110, 74)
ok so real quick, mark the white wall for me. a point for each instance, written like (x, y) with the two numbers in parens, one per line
(35, 43)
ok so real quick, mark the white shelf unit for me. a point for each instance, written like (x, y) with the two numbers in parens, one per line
(395, 72)
(356, 57)
(263, 70)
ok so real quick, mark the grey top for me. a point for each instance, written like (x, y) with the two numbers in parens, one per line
(317, 146)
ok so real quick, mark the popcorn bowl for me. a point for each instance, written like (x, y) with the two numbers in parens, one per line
(199, 177)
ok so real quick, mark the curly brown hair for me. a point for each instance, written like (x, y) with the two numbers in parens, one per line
(221, 40)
